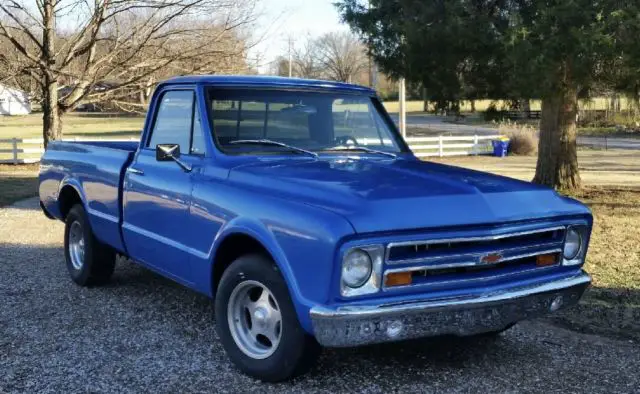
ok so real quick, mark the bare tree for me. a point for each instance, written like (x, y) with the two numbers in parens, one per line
(304, 59)
(341, 56)
(127, 42)
(279, 67)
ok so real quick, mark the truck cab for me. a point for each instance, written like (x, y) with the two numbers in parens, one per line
(296, 205)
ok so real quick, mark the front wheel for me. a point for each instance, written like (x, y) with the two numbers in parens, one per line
(89, 261)
(257, 323)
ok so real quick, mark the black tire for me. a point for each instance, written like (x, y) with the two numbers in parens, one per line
(296, 352)
(98, 261)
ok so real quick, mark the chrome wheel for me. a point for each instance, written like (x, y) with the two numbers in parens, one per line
(254, 319)
(76, 245)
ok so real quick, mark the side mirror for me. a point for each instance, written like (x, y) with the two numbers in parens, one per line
(167, 152)
(171, 152)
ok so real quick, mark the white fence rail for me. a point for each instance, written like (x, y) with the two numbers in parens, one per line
(458, 145)
(29, 150)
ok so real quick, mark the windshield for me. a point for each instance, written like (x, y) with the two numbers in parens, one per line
(313, 121)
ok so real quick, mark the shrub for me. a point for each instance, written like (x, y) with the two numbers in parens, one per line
(493, 114)
(523, 139)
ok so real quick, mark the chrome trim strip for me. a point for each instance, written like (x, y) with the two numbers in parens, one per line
(470, 281)
(478, 255)
(392, 245)
(471, 263)
(358, 311)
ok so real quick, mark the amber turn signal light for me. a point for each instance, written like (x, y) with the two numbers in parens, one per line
(398, 279)
(544, 260)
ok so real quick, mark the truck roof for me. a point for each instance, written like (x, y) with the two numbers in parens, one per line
(268, 81)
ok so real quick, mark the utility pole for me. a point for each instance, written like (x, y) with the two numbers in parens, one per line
(373, 71)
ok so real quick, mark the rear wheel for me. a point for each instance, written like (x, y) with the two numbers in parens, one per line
(257, 323)
(89, 261)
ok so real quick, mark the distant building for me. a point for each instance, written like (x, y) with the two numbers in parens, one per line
(14, 101)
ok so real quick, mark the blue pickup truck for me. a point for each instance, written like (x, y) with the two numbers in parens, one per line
(297, 206)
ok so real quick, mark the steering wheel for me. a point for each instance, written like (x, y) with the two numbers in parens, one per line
(346, 140)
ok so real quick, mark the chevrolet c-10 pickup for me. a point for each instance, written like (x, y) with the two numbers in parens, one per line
(297, 206)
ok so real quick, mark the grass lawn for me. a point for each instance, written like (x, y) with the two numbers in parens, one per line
(478, 120)
(74, 125)
(86, 125)
(17, 182)
(614, 253)
(612, 304)
(609, 132)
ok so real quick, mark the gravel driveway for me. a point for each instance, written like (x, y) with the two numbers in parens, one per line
(143, 333)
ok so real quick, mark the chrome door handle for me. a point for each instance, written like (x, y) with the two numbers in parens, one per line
(135, 171)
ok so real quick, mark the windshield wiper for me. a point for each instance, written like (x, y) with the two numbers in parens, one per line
(275, 143)
(362, 149)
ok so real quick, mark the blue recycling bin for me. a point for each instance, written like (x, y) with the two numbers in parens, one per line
(500, 147)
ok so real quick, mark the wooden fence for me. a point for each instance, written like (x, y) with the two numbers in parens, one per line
(29, 150)
(458, 145)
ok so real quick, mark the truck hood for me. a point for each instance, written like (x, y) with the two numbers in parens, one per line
(388, 195)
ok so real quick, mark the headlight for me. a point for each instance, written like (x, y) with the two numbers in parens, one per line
(356, 268)
(572, 243)
(361, 271)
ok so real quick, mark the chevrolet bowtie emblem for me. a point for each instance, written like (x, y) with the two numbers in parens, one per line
(491, 258)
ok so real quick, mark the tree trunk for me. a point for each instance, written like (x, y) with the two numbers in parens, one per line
(51, 123)
(473, 106)
(526, 108)
(425, 101)
(557, 150)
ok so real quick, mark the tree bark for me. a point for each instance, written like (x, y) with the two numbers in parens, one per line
(526, 108)
(425, 101)
(51, 124)
(557, 150)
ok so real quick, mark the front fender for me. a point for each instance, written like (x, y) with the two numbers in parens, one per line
(261, 233)
(302, 244)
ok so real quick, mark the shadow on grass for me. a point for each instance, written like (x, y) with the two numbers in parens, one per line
(16, 188)
(605, 311)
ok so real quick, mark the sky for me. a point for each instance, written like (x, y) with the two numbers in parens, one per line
(296, 18)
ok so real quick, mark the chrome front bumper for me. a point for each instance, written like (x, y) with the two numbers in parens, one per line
(463, 316)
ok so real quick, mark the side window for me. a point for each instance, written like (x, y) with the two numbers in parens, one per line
(358, 120)
(173, 120)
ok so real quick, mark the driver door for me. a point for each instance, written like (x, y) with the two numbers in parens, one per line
(157, 194)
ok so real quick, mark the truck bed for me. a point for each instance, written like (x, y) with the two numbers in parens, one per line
(95, 169)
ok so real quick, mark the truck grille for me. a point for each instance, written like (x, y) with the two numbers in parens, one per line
(446, 262)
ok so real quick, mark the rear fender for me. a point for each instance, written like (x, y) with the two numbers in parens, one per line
(75, 184)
